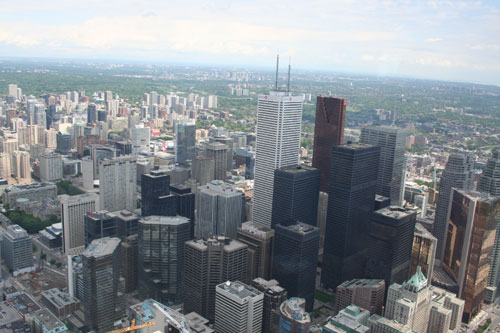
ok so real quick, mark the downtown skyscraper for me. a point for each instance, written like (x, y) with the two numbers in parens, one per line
(279, 118)
(351, 200)
(328, 133)
(391, 140)
(459, 174)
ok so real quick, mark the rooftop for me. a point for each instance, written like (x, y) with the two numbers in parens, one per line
(101, 247)
(256, 229)
(300, 168)
(58, 297)
(362, 283)
(9, 314)
(164, 220)
(295, 308)
(238, 289)
(29, 187)
(395, 212)
(228, 243)
(48, 321)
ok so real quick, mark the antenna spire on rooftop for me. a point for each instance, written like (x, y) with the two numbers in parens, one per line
(289, 68)
(277, 66)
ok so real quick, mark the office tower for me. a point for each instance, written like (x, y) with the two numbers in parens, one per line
(423, 252)
(260, 241)
(17, 250)
(368, 294)
(274, 295)
(103, 299)
(295, 259)
(355, 313)
(296, 193)
(392, 141)
(203, 169)
(238, 308)
(185, 142)
(161, 257)
(73, 211)
(117, 183)
(390, 244)
(218, 152)
(102, 115)
(22, 167)
(410, 303)
(63, 142)
(293, 316)
(230, 151)
(155, 196)
(473, 219)
(91, 114)
(351, 199)
(207, 263)
(99, 224)
(489, 182)
(446, 311)
(185, 202)
(459, 174)
(219, 208)
(328, 133)
(279, 117)
(50, 167)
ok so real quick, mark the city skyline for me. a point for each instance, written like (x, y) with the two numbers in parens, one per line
(454, 41)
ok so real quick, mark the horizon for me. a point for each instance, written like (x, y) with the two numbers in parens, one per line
(454, 41)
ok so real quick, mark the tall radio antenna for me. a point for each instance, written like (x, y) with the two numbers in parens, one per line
(289, 68)
(277, 65)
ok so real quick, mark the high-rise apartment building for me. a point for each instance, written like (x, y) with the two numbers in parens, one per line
(296, 193)
(218, 152)
(472, 225)
(51, 168)
(238, 308)
(392, 141)
(118, 183)
(17, 250)
(161, 257)
(279, 119)
(295, 259)
(73, 211)
(103, 298)
(410, 303)
(368, 294)
(274, 295)
(185, 142)
(351, 200)
(459, 174)
(328, 133)
(390, 244)
(219, 208)
(22, 167)
(260, 241)
(423, 252)
(293, 316)
(207, 263)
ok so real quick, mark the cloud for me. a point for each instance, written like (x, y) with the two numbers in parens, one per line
(433, 40)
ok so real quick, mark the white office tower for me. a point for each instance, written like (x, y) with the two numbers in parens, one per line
(238, 308)
(73, 211)
(118, 183)
(410, 303)
(51, 168)
(279, 117)
(140, 137)
(219, 210)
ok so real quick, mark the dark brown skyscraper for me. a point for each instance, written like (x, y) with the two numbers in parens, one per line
(328, 132)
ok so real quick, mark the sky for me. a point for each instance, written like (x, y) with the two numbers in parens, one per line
(435, 39)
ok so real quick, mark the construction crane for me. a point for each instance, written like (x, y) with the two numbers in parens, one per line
(133, 327)
(181, 326)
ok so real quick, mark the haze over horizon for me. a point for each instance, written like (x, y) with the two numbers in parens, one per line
(442, 40)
